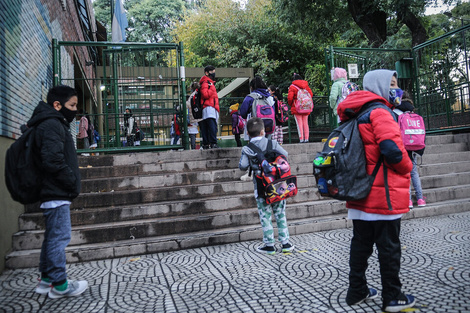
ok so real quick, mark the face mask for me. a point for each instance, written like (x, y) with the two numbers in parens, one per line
(212, 76)
(395, 96)
(68, 114)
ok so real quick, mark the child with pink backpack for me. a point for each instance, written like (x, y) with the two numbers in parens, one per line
(413, 134)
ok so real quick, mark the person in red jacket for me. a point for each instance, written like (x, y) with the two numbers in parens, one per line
(376, 218)
(210, 108)
(300, 119)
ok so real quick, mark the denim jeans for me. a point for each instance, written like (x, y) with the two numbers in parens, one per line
(208, 131)
(56, 238)
(415, 180)
(386, 236)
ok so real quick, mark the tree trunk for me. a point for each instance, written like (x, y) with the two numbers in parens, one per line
(371, 20)
(418, 32)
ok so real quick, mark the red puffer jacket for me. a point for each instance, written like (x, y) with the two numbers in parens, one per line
(381, 135)
(208, 93)
(292, 95)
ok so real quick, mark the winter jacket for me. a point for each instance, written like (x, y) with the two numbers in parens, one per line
(336, 91)
(292, 94)
(247, 103)
(208, 93)
(381, 135)
(56, 149)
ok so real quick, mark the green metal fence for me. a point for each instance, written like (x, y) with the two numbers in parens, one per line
(436, 73)
(146, 78)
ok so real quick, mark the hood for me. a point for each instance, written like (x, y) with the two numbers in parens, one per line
(406, 106)
(378, 82)
(302, 84)
(264, 92)
(44, 111)
(206, 78)
(340, 73)
(354, 102)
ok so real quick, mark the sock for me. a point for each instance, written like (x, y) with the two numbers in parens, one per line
(62, 287)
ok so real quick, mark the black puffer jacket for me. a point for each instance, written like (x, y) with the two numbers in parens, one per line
(57, 154)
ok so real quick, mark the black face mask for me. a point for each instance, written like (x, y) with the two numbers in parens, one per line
(212, 76)
(68, 114)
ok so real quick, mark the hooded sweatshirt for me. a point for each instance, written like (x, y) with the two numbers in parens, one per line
(247, 103)
(57, 154)
(340, 77)
(381, 135)
(292, 94)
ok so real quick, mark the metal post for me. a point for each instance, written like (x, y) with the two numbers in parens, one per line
(115, 83)
(183, 98)
(55, 61)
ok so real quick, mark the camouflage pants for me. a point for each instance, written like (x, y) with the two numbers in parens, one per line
(265, 212)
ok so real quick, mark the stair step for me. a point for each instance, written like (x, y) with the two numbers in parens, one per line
(134, 247)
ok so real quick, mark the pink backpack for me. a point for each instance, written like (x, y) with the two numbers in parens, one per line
(262, 109)
(304, 102)
(413, 131)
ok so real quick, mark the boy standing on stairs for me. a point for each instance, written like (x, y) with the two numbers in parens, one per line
(376, 219)
(60, 185)
(255, 129)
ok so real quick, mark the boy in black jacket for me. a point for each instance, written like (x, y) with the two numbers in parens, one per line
(60, 185)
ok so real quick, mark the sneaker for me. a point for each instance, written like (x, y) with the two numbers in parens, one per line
(288, 247)
(421, 202)
(43, 287)
(372, 295)
(74, 288)
(205, 147)
(410, 204)
(246, 177)
(266, 249)
(398, 305)
(214, 146)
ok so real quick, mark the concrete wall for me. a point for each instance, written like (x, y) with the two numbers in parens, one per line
(9, 209)
(27, 28)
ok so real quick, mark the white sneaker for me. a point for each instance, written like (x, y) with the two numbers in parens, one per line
(245, 177)
(43, 287)
(74, 288)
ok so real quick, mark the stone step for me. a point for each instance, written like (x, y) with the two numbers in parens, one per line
(443, 168)
(445, 157)
(126, 212)
(224, 216)
(176, 178)
(445, 180)
(139, 246)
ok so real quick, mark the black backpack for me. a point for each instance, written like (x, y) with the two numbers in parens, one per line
(340, 168)
(22, 169)
(196, 105)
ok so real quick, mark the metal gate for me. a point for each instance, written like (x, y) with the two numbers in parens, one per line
(147, 79)
(436, 73)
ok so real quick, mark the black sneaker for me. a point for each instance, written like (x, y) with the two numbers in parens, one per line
(398, 305)
(288, 247)
(214, 146)
(205, 147)
(266, 249)
(372, 295)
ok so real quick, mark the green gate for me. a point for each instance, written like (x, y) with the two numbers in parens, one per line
(436, 73)
(148, 79)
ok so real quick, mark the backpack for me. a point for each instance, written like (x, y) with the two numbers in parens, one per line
(340, 168)
(262, 109)
(22, 168)
(304, 102)
(196, 104)
(91, 133)
(273, 175)
(238, 123)
(413, 132)
(282, 112)
(347, 88)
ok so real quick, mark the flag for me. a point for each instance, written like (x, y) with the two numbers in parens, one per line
(118, 32)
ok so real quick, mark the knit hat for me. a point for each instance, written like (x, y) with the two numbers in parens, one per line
(234, 107)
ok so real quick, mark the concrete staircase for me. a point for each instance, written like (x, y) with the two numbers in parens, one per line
(152, 202)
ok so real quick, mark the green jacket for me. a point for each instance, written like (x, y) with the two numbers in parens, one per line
(335, 93)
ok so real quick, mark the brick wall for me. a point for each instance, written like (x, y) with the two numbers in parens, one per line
(27, 28)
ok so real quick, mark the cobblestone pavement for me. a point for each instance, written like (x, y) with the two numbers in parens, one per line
(235, 278)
